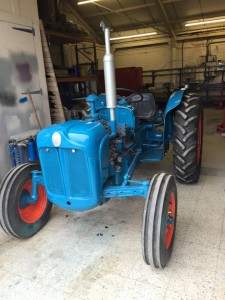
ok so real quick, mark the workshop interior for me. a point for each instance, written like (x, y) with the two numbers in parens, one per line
(112, 149)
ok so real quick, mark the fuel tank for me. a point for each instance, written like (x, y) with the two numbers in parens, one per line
(74, 159)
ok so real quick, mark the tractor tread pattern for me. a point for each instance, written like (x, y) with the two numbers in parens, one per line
(186, 119)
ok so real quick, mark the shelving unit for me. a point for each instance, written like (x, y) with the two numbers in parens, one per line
(75, 79)
(80, 79)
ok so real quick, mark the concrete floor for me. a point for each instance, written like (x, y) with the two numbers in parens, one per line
(97, 254)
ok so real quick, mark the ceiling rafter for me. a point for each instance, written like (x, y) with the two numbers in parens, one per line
(166, 24)
(68, 8)
(130, 8)
(185, 38)
(166, 19)
(176, 21)
(131, 19)
(152, 19)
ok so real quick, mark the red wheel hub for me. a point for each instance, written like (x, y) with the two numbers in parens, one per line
(171, 215)
(199, 140)
(32, 212)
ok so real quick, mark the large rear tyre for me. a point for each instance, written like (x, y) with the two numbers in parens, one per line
(159, 221)
(18, 216)
(188, 133)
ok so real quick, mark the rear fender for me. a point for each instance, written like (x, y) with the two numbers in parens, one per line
(173, 102)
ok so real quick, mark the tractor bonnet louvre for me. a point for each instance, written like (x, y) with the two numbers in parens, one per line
(67, 176)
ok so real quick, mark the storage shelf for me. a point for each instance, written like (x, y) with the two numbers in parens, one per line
(75, 79)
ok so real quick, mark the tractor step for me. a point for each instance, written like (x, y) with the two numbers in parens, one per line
(153, 154)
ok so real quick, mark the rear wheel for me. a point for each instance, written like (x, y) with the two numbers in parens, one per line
(188, 134)
(159, 220)
(20, 217)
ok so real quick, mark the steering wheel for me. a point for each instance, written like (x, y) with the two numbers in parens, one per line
(134, 97)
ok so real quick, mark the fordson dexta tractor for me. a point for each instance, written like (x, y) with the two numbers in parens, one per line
(86, 163)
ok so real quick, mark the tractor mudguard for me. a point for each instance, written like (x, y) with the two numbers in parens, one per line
(173, 102)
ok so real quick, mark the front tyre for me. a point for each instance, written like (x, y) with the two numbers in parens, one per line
(187, 139)
(159, 220)
(20, 217)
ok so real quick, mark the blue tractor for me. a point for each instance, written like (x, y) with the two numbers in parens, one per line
(85, 163)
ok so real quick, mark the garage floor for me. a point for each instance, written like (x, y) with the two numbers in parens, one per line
(97, 255)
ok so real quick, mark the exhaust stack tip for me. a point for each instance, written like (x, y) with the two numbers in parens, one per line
(109, 70)
(102, 25)
(110, 79)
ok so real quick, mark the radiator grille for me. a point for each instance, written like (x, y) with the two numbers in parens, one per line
(51, 168)
(76, 169)
(66, 169)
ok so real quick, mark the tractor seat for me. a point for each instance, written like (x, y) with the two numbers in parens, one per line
(146, 108)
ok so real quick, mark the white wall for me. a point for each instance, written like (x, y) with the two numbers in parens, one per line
(152, 57)
(161, 57)
(18, 48)
(147, 57)
(156, 53)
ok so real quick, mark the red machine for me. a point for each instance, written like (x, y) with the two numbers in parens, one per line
(128, 78)
(221, 127)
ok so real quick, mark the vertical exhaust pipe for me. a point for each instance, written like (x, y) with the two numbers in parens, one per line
(110, 79)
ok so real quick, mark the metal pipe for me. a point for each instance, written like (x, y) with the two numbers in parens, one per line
(110, 78)
(131, 168)
(112, 114)
(109, 72)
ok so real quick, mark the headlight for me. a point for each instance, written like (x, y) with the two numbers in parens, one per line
(56, 139)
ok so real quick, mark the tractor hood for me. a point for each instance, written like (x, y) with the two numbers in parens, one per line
(74, 159)
(72, 134)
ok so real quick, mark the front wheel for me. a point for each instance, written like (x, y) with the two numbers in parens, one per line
(20, 217)
(159, 220)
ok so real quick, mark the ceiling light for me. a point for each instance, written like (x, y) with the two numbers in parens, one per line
(132, 36)
(86, 2)
(203, 22)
